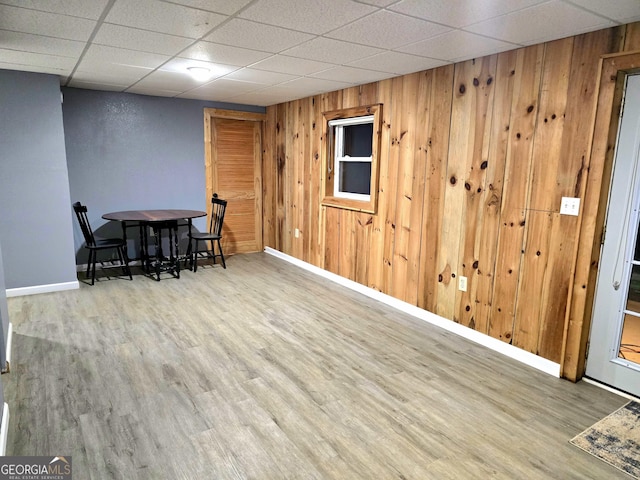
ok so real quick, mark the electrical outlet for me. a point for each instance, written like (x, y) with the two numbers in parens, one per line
(570, 206)
(296, 232)
(462, 283)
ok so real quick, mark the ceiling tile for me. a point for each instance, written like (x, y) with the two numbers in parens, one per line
(98, 56)
(37, 59)
(153, 91)
(388, 30)
(123, 75)
(355, 76)
(259, 76)
(227, 7)
(459, 13)
(41, 23)
(164, 17)
(34, 68)
(626, 11)
(243, 33)
(311, 16)
(554, 19)
(292, 65)
(168, 80)
(74, 8)
(378, 3)
(214, 52)
(331, 51)
(38, 44)
(398, 63)
(222, 86)
(95, 86)
(262, 98)
(457, 45)
(313, 85)
(133, 39)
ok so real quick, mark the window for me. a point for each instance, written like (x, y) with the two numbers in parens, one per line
(352, 139)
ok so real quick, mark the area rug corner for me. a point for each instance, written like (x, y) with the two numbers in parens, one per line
(615, 439)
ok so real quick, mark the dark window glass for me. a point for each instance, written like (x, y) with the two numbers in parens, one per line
(637, 254)
(358, 140)
(355, 177)
(633, 298)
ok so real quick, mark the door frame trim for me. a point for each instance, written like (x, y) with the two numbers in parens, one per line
(209, 115)
(613, 70)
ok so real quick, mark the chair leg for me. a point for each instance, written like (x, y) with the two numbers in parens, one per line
(224, 265)
(194, 253)
(86, 274)
(93, 268)
(125, 262)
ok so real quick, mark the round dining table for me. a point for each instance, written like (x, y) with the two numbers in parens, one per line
(157, 220)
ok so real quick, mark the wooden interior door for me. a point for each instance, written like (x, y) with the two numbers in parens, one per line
(233, 152)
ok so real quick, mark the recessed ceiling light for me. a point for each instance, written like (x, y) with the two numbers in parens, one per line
(200, 74)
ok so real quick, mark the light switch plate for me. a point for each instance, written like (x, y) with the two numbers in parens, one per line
(462, 283)
(570, 206)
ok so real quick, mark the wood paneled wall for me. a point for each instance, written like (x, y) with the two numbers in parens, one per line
(475, 158)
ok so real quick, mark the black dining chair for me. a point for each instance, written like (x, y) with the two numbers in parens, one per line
(218, 208)
(94, 244)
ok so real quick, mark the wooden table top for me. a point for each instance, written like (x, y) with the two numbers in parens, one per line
(153, 215)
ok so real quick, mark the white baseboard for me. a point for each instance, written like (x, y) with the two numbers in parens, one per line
(516, 353)
(54, 287)
(4, 430)
(626, 395)
(9, 343)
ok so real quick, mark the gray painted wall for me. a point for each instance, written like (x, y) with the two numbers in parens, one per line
(4, 320)
(35, 220)
(127, 151)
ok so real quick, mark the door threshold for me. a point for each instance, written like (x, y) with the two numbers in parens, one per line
(610, 389)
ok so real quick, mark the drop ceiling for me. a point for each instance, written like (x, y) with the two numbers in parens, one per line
(263, 52)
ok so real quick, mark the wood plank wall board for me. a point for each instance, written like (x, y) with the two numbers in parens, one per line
(549, 130)
(492, 188)
(269, 179)
(410, 175)
(314, 184)
(281, 179)
(377, 261)
(393, 159)
(524, 110)
(532, 126)
(571, 182)
(474, 183)
(438, 130)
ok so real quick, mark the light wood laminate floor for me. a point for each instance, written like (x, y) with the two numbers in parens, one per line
(265, 371)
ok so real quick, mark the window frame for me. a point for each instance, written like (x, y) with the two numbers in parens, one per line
(332, 197)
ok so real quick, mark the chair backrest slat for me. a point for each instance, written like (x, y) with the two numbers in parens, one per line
(218, 208)
(83, 220)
